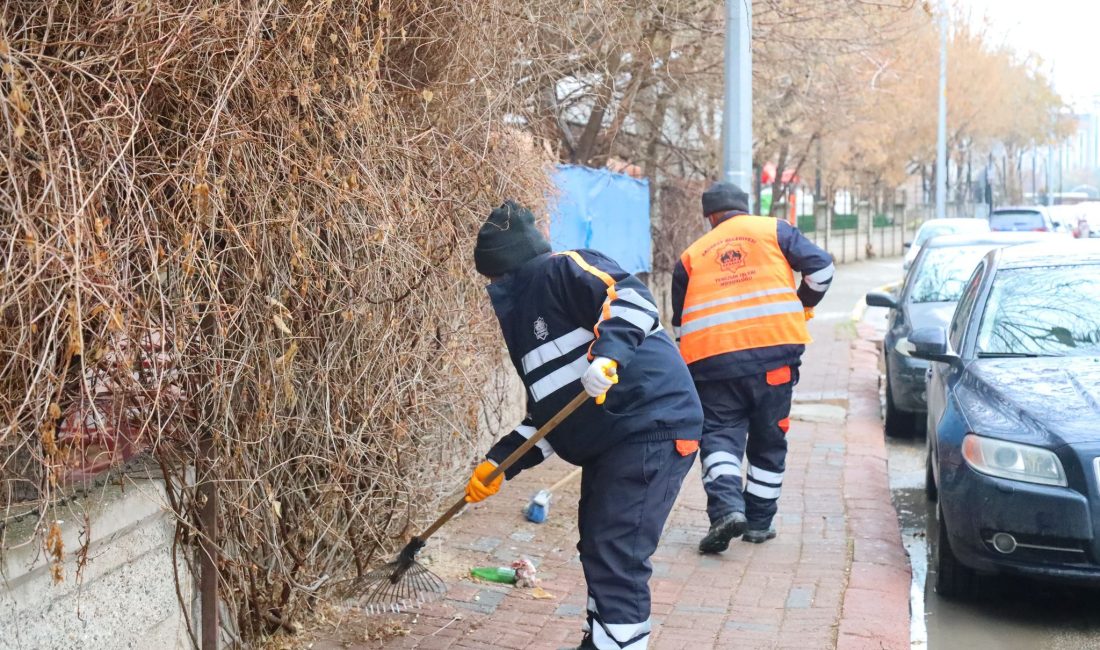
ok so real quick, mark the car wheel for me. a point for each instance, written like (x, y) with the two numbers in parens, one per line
(953, 579)
(930, 491)
(898, 424)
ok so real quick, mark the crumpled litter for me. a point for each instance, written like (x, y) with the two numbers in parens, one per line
(525, 573)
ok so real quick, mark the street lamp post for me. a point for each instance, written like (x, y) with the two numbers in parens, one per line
(1049, 163)
(941, 133)
(737, 113)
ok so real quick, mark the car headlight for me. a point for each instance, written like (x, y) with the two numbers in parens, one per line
(1013, 461)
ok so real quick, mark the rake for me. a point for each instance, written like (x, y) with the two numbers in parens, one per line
(404, 583)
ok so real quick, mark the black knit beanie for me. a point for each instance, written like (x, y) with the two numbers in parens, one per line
(724, 197)
(507, 239)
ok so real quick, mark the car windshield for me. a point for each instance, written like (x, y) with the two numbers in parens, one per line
(1042, 311)
(944, 271)
(935, 229)
(1017, 220)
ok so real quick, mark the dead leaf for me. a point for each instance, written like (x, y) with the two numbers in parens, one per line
(280, 324)
(538, 593)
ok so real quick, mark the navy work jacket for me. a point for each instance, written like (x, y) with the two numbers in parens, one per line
(560, 310)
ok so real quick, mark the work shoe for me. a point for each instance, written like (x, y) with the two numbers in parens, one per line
(586, 643)
(721, 532)
(758, 536)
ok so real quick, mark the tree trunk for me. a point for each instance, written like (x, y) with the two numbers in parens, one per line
(549, 106)
(586, 148)
(652, 166)
(777, 182)
(641, 75)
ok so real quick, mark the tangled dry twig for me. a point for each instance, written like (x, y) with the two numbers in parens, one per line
(249, 222)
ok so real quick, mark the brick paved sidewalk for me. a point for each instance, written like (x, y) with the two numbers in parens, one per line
(836, 576)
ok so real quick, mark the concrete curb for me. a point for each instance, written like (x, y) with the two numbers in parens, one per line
(875, 611)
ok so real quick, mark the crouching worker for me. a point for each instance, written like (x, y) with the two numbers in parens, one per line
(573, 320)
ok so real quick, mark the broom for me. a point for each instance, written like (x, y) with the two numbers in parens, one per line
(539, 506)
(404, 582)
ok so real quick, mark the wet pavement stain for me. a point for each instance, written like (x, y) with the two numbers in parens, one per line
(1008, 612)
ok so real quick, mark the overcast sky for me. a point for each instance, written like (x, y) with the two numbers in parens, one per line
(1065, 33)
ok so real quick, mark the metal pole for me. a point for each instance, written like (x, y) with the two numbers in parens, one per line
(941, 135)
(737, 117)
(1050, 189)
(1034, 182)
(1061, 168)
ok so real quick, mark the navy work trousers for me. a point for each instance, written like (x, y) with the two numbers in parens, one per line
(626, 495)
(746, 419)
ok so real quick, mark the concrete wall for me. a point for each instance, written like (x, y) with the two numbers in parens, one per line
(126, 597)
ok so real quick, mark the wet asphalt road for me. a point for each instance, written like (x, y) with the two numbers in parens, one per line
(1011, 613)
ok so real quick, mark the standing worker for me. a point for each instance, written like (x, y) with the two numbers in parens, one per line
(573, 320)
(742, 330)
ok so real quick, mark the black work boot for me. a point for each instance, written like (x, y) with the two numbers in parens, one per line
(758, 536)
(586, 643)
(721, 532)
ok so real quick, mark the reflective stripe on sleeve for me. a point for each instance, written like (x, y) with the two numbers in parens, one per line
(559, 379)
(605, 278)
(639, 319)
(635, 298)
(543, 445)
(819, 280)
(559, 347)
(744, 313)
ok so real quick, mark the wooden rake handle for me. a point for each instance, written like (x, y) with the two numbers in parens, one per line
(550, 425)
(567, 478)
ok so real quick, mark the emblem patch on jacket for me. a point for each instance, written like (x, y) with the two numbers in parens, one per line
(541, 330)
(731, 257)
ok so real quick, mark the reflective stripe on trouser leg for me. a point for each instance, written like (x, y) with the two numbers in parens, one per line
(766, 452)
(725, 428)
(626, 495)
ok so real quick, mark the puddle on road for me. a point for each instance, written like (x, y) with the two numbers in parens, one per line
(1008, 613)
(913, 510)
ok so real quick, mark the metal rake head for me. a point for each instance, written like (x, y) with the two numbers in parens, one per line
(400, 585)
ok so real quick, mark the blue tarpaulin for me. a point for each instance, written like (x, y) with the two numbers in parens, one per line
(605, 211)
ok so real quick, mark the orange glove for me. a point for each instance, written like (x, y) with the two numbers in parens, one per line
(808, 312)
(476, 490)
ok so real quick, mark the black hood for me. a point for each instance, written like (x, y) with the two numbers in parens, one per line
(1049, 401)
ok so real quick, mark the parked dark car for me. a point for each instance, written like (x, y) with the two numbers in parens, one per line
(927, 299)
(1014, 418)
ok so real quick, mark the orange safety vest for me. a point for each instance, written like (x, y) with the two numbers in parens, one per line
(741, 293)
